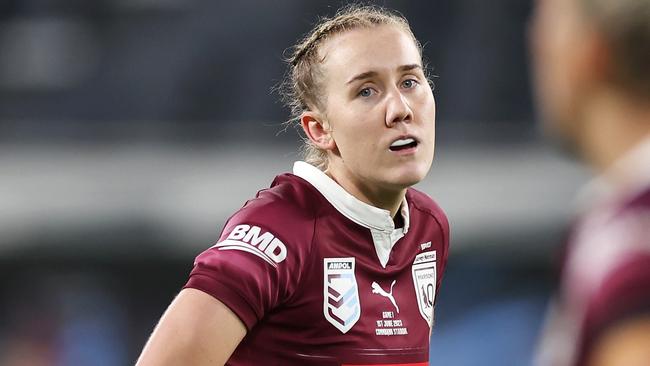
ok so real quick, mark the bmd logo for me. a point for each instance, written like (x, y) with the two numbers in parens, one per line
(248, 238)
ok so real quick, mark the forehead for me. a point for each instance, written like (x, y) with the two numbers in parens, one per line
(380, 48)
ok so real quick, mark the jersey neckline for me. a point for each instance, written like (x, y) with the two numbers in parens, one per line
(378, 220)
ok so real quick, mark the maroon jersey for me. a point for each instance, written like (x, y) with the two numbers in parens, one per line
(606, 273)
(321, 278)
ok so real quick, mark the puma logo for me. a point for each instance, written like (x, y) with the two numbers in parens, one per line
(376, 289)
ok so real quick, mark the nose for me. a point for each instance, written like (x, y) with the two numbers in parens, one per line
(397, 109)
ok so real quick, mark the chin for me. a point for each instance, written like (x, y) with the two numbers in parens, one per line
(409, 177)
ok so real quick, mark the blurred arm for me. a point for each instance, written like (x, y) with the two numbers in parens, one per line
(625, 344)
(196, 329)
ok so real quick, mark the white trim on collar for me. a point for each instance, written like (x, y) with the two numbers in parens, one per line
(351, 207)
(378, 220)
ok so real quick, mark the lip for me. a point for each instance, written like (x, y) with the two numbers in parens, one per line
(407, 151)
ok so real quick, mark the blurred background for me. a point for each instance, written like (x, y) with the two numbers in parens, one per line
(131, 129)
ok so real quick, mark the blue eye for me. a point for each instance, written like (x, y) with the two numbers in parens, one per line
(410, 83)
(365, 92)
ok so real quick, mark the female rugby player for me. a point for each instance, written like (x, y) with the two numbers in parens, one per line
(339, 262)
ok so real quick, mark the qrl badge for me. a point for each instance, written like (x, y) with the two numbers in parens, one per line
(424, 280)
(341, 305)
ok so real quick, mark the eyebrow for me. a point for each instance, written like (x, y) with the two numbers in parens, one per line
(368, 74)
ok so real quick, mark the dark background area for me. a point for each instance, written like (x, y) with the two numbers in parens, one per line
(131, 129)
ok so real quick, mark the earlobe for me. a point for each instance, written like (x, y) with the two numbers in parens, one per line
(317, 130)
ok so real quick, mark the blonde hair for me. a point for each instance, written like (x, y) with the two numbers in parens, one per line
(300, 89)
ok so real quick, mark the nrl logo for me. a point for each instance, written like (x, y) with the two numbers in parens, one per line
(341, 305)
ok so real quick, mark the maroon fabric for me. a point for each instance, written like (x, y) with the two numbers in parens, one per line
(625, 292)
(282, 303)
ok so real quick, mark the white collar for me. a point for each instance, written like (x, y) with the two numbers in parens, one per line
(351, 207)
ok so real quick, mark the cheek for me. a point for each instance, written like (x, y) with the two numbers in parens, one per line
(352, 136)
(432, 111)
(557, 44)
(427, 109)
(547, 45)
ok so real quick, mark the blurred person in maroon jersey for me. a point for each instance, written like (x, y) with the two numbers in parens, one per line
(592, 68)
(338, 263)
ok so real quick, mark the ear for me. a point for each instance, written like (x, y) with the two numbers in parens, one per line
(594, 66)
(317, 130)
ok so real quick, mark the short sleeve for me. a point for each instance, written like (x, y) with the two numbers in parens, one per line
(624, 293)
(254, 266)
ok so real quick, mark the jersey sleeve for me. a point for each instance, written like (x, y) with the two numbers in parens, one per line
(624, 294)
(255, 265)
(624, 291)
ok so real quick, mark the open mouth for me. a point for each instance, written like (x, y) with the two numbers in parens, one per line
(403, 144)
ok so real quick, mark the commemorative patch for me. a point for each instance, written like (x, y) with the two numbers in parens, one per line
(424, 281)
(341, 305)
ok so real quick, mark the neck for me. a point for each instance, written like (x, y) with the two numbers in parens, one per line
(614, 125)
(386, 199)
